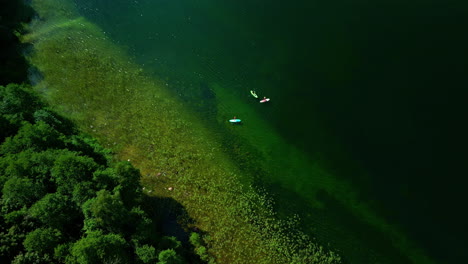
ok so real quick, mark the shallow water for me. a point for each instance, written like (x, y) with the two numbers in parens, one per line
(364, 134)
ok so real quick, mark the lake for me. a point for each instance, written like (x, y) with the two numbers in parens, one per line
(365, 133)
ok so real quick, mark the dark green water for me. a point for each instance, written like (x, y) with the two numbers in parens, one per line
(376, 89)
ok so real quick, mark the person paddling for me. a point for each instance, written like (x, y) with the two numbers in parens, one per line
(235, 120)
(252, 92)
(264, 100)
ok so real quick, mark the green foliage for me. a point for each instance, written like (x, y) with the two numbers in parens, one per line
(196, 240)
(32, 165)
(169, 242)
(97, 247)
(107, 212)
(169, 256)
(57, 122)
(15, 217)
(18, 103)
(145, 230)
(82, 192)
(32, 258)
(55, 210)
(42, 240)
(202, 253)
(8, 128)
(10, 242)
(105, 179)
(147, 254)
(128, 178)
(70, 169)
(88, 146)
(62, 251)
(38, 137)
(19, 192)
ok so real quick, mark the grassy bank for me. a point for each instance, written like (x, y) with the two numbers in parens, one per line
(93, 82)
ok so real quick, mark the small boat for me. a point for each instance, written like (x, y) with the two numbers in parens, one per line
(264, 100)
(235, 120)
(252, 92)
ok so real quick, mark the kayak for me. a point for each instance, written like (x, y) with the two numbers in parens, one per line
(265, 100)
(235, 120)
(252, 92)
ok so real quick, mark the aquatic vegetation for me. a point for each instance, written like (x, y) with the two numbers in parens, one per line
(94, 83)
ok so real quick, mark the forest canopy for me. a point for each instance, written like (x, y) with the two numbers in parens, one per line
(64, 200)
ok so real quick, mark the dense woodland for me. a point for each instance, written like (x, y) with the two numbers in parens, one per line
(63, 198)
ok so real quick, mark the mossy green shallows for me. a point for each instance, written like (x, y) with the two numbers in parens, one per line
(92, 81)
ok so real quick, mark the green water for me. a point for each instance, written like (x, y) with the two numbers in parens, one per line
(361, 126)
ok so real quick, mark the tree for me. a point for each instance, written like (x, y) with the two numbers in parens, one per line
(106, 212)
(32, 257)
(97, 247)
(169, 256)
(32, 165)
(169, 242)
(56, 211)
(147, 254)
(51, 118)
(105, 179)
(200, 249)
(18, 103)
(83, 191)
(10, 243)
(19, 192)
(195, 239)
(88, 146)
(38, 137)
(129, 187)
(70, 169)
(145, 231)
(42, 240)
(62, 251)
(8, 128)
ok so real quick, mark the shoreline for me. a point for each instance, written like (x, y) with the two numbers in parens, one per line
(117, 114)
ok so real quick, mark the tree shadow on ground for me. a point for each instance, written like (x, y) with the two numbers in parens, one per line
(170, 217)
(172, 220)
